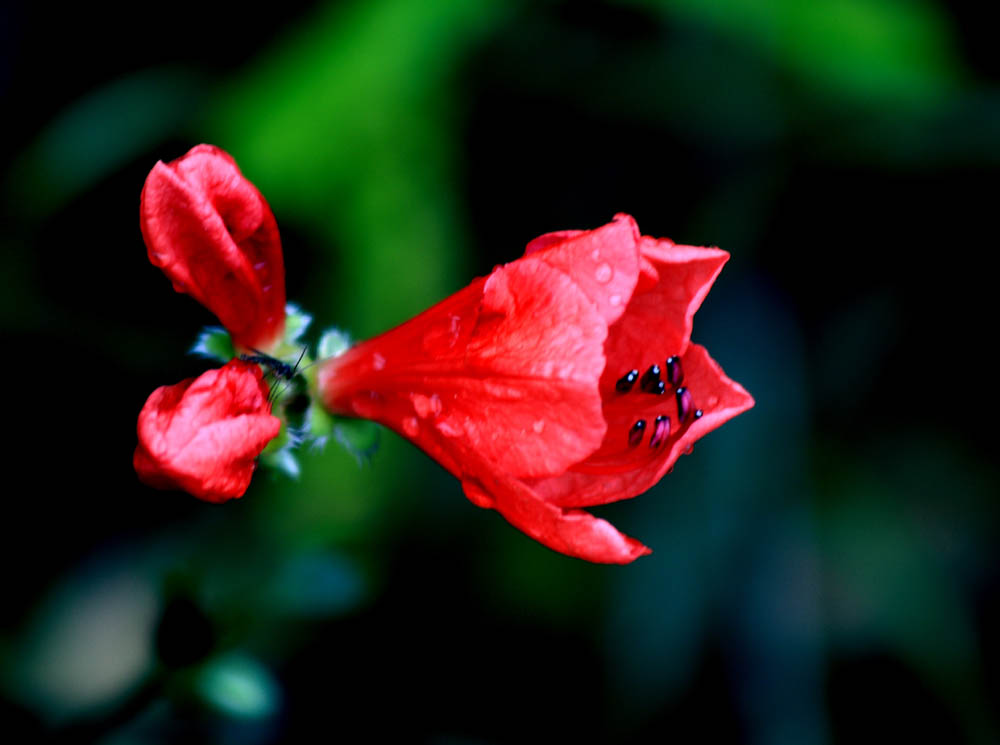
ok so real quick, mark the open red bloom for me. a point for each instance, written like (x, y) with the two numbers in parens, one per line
(562, 380)
(214, 236)
(203, 435)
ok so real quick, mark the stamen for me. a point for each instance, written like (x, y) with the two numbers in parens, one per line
(625, 383)
(675, 373)
(651, 382)
(685, 404)
(661, 429)
(635, 434)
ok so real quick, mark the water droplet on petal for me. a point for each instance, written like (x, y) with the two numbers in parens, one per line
(378, 361)
(615, 300)
(448, 428)
(596, 254)
(538, 426)
(442, 335)
(604, 273)
(505, 392)
(411, 426)
(423, 406)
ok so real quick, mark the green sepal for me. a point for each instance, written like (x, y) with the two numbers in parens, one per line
(283, 460)
(359, 437)
(296, 323)
(332, 343)
(214, 343)
(319, 423)
(279, 453)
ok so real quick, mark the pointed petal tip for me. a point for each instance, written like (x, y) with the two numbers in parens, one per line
(636, 550)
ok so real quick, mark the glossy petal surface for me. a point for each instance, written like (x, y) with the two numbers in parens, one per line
(214, 236)
(203, 435)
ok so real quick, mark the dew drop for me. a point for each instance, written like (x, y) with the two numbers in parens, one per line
(615, 300)
(538, 426)
(411, 426)
(442, 335)
(426, 406)
(596, 254)
(604, 273)
(635, 434)
(448, 428)
(505, 392)
(259, 265)
(378, 361)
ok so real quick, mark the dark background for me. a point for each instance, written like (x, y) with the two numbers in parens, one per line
(825, 566)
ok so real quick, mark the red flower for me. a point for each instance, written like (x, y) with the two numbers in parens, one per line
(203, 435)
(214, 236)
(562, 380)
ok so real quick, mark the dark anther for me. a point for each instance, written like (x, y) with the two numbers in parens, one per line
(650, 380)
(698, 413)
(661, 429)
(685, 404)
(635, 434)
(675, 373)
(626, 381)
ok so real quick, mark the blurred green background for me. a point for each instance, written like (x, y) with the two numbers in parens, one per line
(825, 567)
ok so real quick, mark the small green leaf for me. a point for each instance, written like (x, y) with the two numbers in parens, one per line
(214, 343)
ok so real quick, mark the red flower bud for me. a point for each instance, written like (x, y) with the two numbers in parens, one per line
(214, 236)
(203, 434)
(544, 387)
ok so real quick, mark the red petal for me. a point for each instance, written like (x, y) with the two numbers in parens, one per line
(204, 434)
(214, 236)
(618, 471)
(657, 322)
(505, 370)
(604, 263)
(571, 532)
